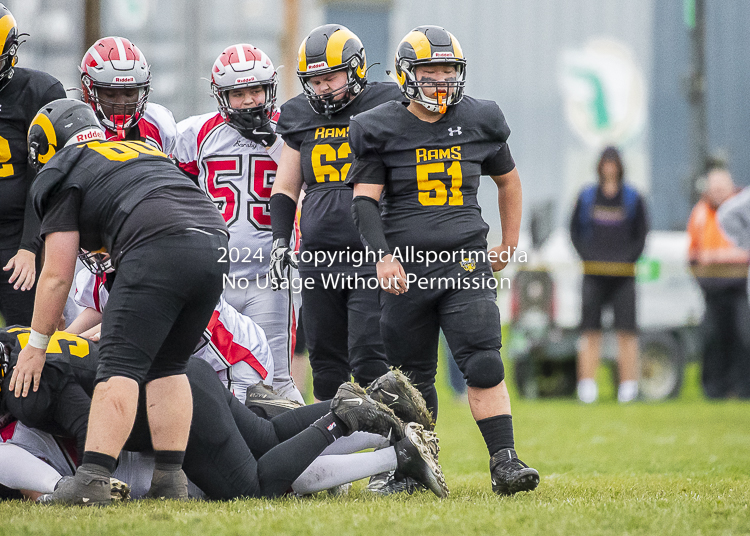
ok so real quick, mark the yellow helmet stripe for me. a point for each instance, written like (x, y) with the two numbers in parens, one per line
(44, 122)
(335, 47)
(420, 44)
(302, 57)
(456, 47)
(7, 23)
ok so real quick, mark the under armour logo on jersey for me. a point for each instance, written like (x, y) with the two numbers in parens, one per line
(453, 131)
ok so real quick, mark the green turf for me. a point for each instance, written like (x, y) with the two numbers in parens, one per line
(678, 467)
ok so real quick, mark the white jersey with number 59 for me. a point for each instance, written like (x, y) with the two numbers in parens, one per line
(237, 174)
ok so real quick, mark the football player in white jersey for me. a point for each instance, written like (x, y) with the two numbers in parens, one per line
(232, 154)
(234, 345)
(116, 82)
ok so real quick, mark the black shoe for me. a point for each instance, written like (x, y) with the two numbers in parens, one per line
(417, 456)
(168, 485)
(510, 475)
(361, 413)
(387, 484)
(265, 402)
(86, 488)
(396, 391)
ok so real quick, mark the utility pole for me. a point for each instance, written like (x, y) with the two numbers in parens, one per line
(696, 22)
(289, 45)
(92, 23)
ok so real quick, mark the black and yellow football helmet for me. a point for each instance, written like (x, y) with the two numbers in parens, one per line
(60, 123)
(326, 49)
(9, 36)
(429, 45)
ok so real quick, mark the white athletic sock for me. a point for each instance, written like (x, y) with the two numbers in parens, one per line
(329, 471)
(627, 391)
(356, 442)
(19, 469)
(588, 392)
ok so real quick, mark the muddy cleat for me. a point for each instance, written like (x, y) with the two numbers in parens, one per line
(168, 485)
(510, 475)
(396, 391)
(417, 456)
(267, 403)
(86, 488)
(388, 484)
(118, 490)
(360, 413)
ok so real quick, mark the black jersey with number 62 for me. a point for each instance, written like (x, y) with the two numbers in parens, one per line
(431, 171)
(326, 222)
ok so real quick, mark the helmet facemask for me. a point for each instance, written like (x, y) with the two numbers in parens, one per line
(118, 117)
(97, 262)
(326, 103)
(246, 120)
(446, 93)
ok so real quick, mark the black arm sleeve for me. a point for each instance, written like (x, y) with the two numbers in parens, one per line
(283, 210)
(366, 214)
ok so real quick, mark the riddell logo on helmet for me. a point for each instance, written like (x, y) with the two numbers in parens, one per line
(315, 66)
(124, 79)
(442, 55)
(245, 80)
(88, 135)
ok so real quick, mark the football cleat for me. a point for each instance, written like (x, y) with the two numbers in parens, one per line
(118, 490)
(266, 403)
(360, 413)
(168, 485)
(396, 391)
(417, 456)
(387, 484)
(86, 488)
(510, 475)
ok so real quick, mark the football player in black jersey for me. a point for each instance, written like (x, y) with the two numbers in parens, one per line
(341, 322)
(427, 159)
(22, 93)
(163, 235)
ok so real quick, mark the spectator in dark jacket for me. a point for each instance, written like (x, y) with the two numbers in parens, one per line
(608, 230)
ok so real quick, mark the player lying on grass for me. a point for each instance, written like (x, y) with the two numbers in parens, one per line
(231, 451)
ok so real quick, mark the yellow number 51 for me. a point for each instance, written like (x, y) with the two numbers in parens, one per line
(432, 192)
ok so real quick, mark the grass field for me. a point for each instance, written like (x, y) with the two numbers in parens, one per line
(678, 467)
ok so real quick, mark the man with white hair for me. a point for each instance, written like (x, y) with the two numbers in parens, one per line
(720, 268)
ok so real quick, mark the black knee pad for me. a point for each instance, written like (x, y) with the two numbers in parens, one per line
(484, 369)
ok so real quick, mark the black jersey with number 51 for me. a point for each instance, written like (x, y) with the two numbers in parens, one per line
(431, 171)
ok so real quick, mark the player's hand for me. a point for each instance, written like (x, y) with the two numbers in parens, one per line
(23, 265)
(264, 135)
(391, 275)
(501, 256)
(28, 371)
(282, 257)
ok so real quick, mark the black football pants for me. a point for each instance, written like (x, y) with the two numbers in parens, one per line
(342, 330)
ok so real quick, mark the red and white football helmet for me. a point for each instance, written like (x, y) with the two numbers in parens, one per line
(242, 66)
(115, 63)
